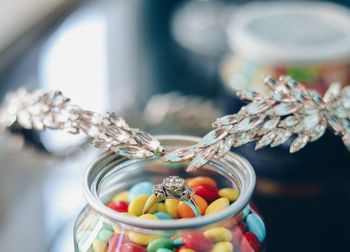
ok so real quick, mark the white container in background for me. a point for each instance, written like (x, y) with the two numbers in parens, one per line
(310, 41)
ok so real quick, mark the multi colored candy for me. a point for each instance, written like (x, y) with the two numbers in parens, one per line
(243, 232)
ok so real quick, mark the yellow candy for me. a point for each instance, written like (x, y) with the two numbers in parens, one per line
(186, 250)
(116, 230)
(122, 196)
(222, 247)
(217, 206)
(141, 238)
(148, 217)
(161, 207)
(230, 193)
(136, 206)
(153, 209)
(171, 207)
(99, 246)
(219, 234)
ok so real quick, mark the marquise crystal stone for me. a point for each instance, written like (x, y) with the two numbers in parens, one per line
(332, 93)
(118, 121)
(179, 155)
(257, 107)
(241, 139)
(148, 141)
(298, 96)
(289, 121)
(212, 137)
(284, 109)
(346, 126)
(269, 125)
(317, 132)
(341, 112)
(270, 82)
(265, 140)
(132, 152)
(308, 122)
(335, 124)
(299, 143)
(346, 103)
(246, 124)
(281, 136)
(248, 95)
(282, 97)
(224, 146)
(226, 120)
(202, 158)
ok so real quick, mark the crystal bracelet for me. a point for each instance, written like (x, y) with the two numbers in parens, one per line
(289, 109)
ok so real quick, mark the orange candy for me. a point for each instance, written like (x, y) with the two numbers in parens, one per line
(197, 181)
(184, 211)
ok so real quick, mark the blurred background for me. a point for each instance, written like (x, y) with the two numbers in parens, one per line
(171, 67)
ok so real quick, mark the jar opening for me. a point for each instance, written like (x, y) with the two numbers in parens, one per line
(111, 173)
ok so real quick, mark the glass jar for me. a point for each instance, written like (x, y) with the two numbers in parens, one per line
(99, 228)
(288, 38)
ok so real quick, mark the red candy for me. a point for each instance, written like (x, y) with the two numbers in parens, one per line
(207, 192)
(237, 233)
(114, 240)
(131, 247)
(120, 206)
(250, 243)
(198, 242)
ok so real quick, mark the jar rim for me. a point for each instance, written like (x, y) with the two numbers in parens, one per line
(246, 189)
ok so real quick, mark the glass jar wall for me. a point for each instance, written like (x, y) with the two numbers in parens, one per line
(237, 227)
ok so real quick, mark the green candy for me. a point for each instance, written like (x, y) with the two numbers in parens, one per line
(164, 250)
(104, 235)
(107, 227)
(303, 75)
(160, 243)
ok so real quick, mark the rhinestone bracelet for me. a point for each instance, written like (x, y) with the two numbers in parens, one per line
(289, 109)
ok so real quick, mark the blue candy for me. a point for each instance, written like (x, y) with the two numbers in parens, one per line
(178, 242)
(139, 189)
(163, 216)
(246, 211)
(256, 225)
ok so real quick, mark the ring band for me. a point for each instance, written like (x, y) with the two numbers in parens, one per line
(193, 206)
(172, 187)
